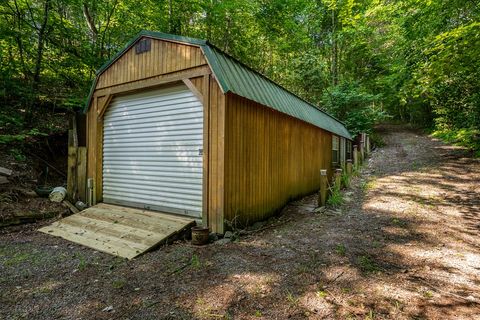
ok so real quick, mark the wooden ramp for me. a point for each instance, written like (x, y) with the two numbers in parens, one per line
(121, 231)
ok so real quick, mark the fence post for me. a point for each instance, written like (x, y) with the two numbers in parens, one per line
(355, 156)
(322, 198)
(338, 178)
(362, 149)
(367, 137)
(349, 167)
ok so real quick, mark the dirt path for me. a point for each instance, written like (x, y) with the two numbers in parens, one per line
(405, 245)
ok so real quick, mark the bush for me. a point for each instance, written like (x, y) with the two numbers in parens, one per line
(354, 106)
(469, 138)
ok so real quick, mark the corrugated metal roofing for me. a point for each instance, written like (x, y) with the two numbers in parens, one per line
(233, 76)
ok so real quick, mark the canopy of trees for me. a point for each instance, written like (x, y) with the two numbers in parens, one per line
(362, 60)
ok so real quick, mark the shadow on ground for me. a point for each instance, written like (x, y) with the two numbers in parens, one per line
(404, 245)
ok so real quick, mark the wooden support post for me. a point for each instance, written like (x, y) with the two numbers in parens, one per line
(322, 197)
(82, 173)
(71, 166)
(355, 156)
(362, 150)
(90, 196)
(338, 179)
(349, 167)
(368, 144)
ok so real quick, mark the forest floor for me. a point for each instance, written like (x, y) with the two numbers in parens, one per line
(405, 245)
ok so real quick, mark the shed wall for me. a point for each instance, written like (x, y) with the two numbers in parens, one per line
(270, 159)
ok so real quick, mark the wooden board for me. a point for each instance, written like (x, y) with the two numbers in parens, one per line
(121, 231)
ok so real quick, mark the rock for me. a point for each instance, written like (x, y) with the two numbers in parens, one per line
(223, 241)
(107, 309)
(258, 225)
(212, 236)
(321, 209)
(5, 172)
(228, 235)
(80, 205)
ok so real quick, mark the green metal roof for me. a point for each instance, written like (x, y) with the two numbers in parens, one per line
(234, 76)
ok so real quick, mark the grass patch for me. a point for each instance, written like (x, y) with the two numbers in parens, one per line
(367, 264)
(366, 185)
(82, 264)
(340, 249)
(195, 262)
(335, 198)
(345, 179)
(119, 283)
(292, 300)
(399, 223)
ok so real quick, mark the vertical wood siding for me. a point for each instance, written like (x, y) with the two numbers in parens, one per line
(216, 160)
(164, 57)
(270, 159)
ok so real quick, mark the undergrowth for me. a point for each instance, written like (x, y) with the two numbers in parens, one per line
(469, 138)
(335, 198)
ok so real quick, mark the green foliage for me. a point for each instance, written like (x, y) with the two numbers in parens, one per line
(195, 262)
(335, 197)
(417, 61)
(345, 179)
(376, 140)
(349, 102)
(466, 137)
(367, 264)
(340, 249)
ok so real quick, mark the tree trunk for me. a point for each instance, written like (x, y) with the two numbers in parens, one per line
(334, 67)
(41, 43)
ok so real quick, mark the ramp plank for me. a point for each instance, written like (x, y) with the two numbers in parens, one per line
(121, 231)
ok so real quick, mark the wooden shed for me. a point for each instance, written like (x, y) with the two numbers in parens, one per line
(175, 125)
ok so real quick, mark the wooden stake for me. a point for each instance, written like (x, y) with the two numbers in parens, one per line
(362, 150)
(338, 178)
(322, 198)
(355, 156)
(368, 144)
(349, 167)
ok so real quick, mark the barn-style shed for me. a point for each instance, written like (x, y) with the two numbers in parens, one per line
(176, 125)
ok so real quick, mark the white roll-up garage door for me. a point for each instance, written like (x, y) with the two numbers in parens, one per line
(152, 151)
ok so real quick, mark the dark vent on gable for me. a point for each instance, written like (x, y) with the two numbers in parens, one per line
(143, 45)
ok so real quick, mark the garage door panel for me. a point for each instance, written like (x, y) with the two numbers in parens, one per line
(153, 134)
(174, 184)
(191, 120)
(153, 181)
(154, 199)
(140, 99)
(161, 192)
(145, 107)
(170, 166)
(152, 150)
(165, 117)
(173, 161)
(129, 116)
(164, 138)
